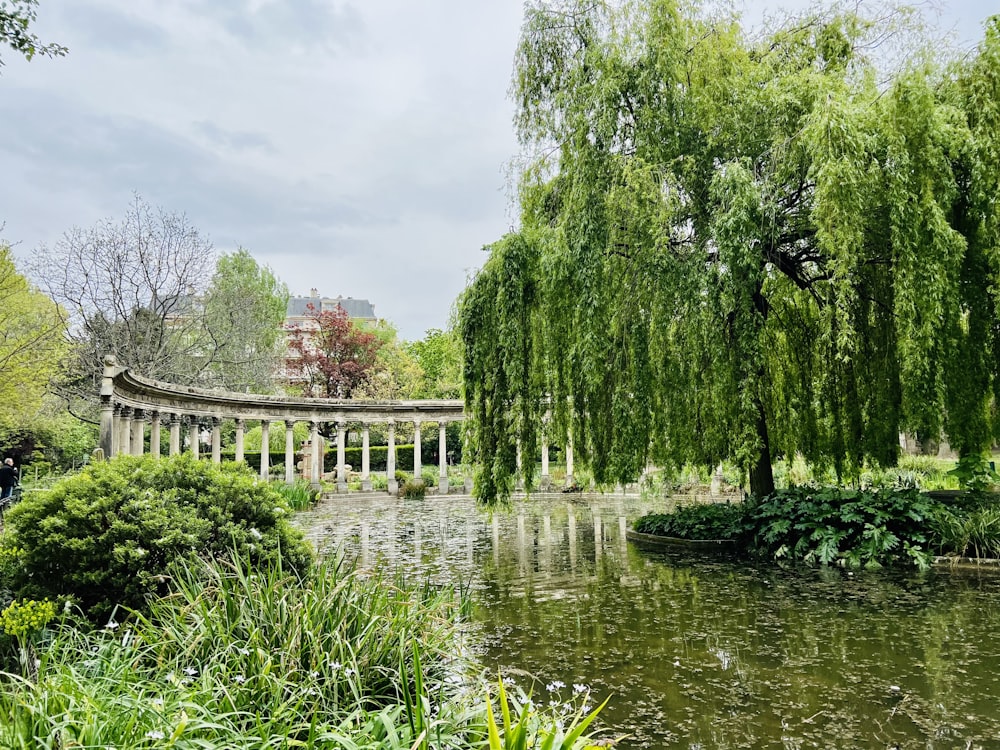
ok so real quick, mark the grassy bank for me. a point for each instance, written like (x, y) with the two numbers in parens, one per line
(232, 637)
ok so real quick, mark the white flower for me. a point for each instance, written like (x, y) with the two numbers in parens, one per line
(239, 679)
(555, 685)
(335, 666)
(256, 534)
(190, 671)
(155, 734)
(158, 702)
(580, 687)
(112, 625)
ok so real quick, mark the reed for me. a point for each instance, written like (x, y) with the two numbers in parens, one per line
(260, 657)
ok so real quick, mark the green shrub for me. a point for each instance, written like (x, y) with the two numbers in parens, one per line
(703, 521)
(106, 536)
(855, 528)
(413, 489)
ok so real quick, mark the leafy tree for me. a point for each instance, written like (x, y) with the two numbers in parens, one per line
(31, 345)
(396, 373)
(439, 354)
(329, 355)
(738, 247)
(144, 290)
(16, 16)
(244, 310)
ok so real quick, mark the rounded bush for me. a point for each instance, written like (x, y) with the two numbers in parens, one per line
(107, 536)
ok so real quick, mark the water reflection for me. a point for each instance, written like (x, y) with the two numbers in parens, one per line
(700, 652)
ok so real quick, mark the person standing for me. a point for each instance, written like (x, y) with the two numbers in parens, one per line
(8, 478)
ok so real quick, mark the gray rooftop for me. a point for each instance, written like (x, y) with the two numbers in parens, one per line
(356, 309)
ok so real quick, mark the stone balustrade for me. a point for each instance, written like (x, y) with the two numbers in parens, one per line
(131, 403)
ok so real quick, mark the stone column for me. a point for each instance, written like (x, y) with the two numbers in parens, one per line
(216, 440)
(265, 449)
(138, 438)
(390, 461)
(316, 469)
(443, 457)
(108, 407)
(116, 429)
(125, 431)
(366, 465)
(154, 435)
(241, 427)
(194, 436)
(289, 452)
(341, 462)
(107, 441)
(175, 434)
(569, 459)
(417, 468)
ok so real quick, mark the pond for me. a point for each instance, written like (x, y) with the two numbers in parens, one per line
(698, 651)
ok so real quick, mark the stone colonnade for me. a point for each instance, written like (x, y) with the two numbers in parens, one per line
(130, 403)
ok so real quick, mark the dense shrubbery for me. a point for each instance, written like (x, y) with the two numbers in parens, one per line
(969, 526)
(849, 527)
(703, 521)
(107, 536)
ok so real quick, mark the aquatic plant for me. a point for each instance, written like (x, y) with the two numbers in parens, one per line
(298, 496)
(698, 521)
(854, 528)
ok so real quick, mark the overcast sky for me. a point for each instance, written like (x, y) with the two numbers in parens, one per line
(355, 146)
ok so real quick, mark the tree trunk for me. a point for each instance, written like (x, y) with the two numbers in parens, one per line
(761, 475)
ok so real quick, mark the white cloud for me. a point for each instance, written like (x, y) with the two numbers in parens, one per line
(357, 147)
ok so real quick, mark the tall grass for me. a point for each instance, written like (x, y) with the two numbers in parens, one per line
(299, 496)
(238, 657)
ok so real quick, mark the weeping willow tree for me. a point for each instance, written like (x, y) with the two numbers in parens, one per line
(737, 247)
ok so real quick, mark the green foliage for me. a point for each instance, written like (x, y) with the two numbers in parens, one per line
(244, 309)
(974, 472)
(970, 528)
(21, 618)
(396, 374)
(854, 528)
(106, 537)
(298, 496)
(738, 246)
(275, 438)
(16, 16)
(243, 655)
(31, 345)
(524, 726)
(699, 521)
(439, 355)
(413, 489)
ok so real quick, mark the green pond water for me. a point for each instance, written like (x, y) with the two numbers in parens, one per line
(698, 651)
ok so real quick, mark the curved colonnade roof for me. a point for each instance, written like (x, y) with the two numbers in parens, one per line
(124, 387)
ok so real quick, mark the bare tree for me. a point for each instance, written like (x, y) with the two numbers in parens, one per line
(133, 289)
